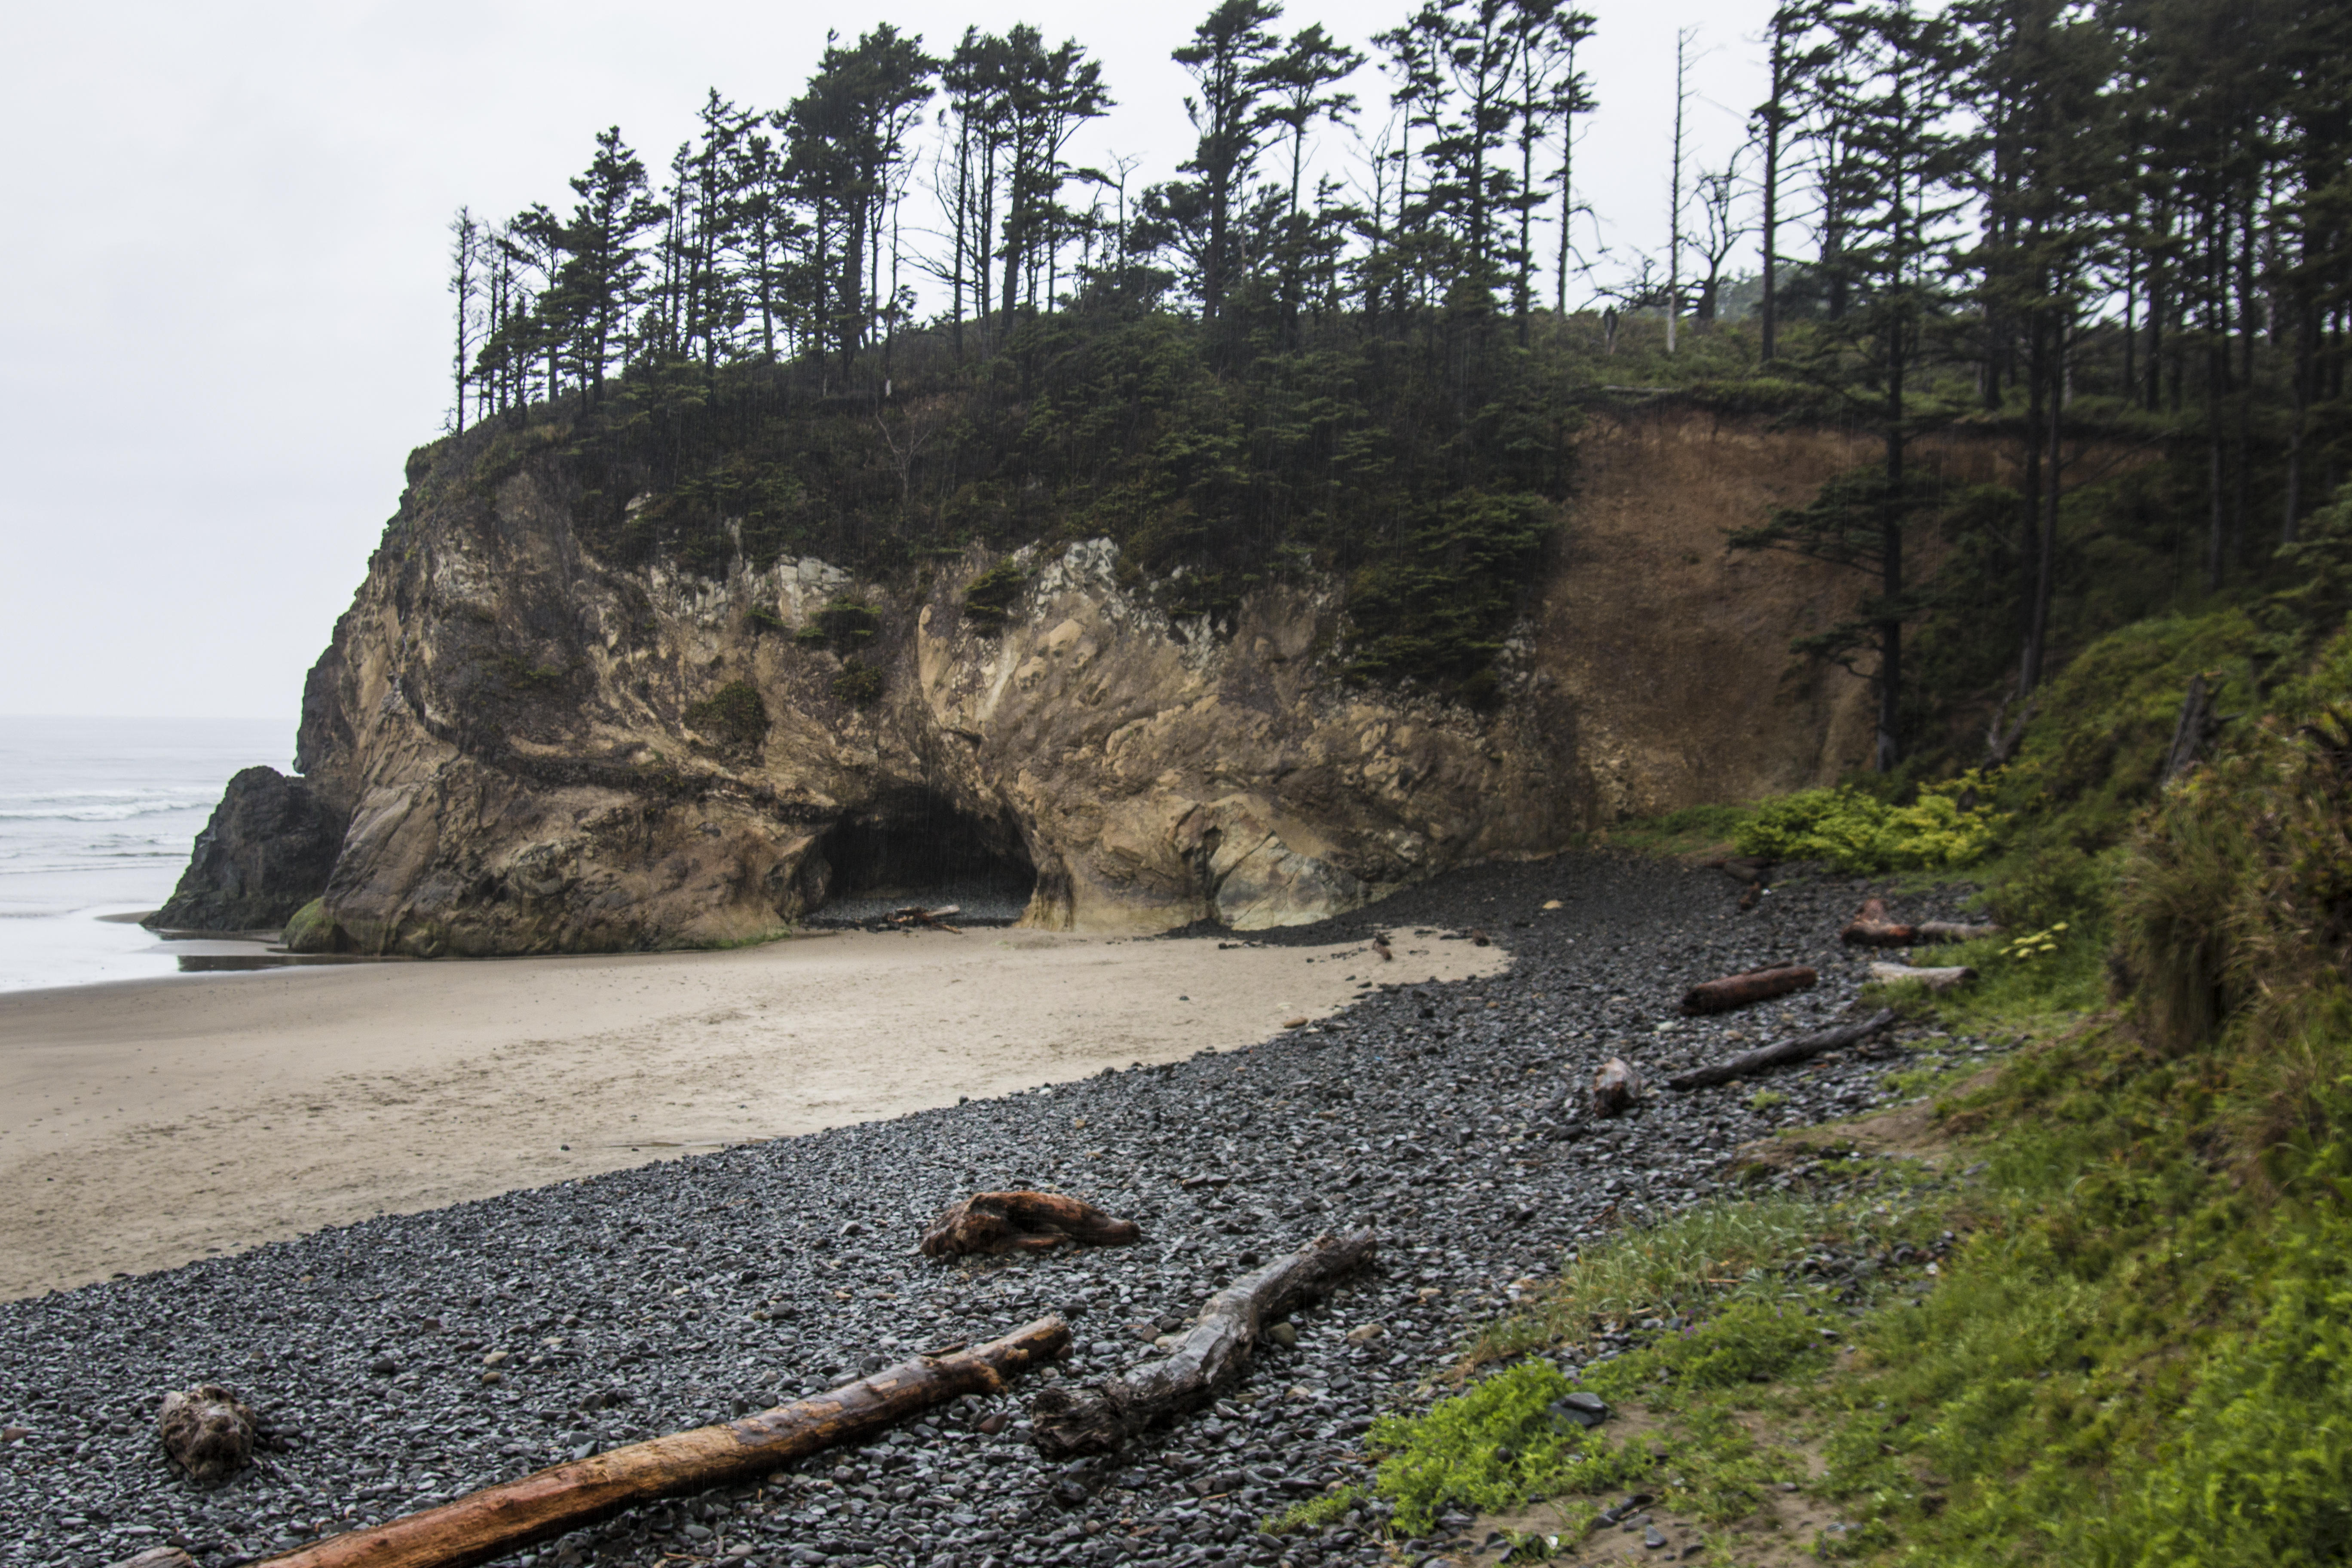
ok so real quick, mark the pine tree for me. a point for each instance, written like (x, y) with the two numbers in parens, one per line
(466, 268)
(1228, 60)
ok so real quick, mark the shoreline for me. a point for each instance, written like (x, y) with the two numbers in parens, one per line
(147, 1123)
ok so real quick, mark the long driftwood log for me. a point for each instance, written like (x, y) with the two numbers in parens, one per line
(1745, 990)
(1871, 927)
(1803, 1048)
(505, 1518)
(1217, 1351)
(1023, 1221)
(1935, 980)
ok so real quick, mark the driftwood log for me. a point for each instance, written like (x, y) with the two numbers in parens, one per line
(1803, 1048)
(1937, 980)
(159, 1557)
(1615, 1087)
(1744, 990)
(1871, 928)
(208, 1432)
(507, 1518)
(916, 915)
(1023, 1221)
(1214, 1354)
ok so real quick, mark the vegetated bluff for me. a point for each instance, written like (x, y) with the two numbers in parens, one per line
(537, 749)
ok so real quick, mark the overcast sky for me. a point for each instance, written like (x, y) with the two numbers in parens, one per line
(223, 321)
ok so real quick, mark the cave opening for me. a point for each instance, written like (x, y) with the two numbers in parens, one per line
(916, 846)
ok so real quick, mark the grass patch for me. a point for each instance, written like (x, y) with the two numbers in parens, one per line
(1315, 1512)
(1685, 832)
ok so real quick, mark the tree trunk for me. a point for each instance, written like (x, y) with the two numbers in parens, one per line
(1216, 1352)
(504, 1519)
(1803, 1049)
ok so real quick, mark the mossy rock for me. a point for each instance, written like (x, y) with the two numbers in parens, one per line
(311, 929)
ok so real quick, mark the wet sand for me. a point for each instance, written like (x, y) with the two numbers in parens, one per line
(146, 1123)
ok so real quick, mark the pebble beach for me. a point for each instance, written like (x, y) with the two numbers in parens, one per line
(404, 1360)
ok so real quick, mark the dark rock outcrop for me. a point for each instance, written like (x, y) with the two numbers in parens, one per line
(268, 850)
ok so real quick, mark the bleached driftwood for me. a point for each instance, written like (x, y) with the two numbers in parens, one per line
(1935, 980)
(1215, 1352)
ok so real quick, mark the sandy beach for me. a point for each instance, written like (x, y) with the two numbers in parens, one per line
(147, 1123)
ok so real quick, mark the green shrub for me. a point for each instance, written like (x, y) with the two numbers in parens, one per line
(988, 602)
(845, 624)
(859, 684)
(732, 716)
(760, 618)
(1857, 832)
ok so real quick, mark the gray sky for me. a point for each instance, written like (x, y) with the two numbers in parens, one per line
(223, 322)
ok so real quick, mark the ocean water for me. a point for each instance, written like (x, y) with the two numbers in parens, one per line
(97, 816)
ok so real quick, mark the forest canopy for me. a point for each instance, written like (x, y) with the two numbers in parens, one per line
(893, 316)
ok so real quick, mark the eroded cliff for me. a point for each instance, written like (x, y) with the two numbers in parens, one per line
(537, 750)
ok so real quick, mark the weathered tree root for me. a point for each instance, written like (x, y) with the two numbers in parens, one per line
(499, 1519)
(1216, 1352)
(1023, 1221)
(1764, 1058)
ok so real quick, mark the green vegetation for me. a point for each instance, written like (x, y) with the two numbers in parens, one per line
(988, 602)
(859, 684)
(842, 624)
(1853, 831)
(2113, 1324)
(732, 717)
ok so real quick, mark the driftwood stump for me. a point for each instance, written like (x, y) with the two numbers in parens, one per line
(1013, 1222)
(1745, 990)
(1216, 1352)
(1615, 1087)
(1786, 1052)
(159, 1557)
(504, 1519)
(207, 1431)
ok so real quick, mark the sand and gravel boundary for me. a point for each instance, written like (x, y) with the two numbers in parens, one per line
(147, 1123)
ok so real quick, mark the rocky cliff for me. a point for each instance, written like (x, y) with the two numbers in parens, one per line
(537, 749)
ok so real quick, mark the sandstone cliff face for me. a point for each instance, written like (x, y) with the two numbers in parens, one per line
(523, 739)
